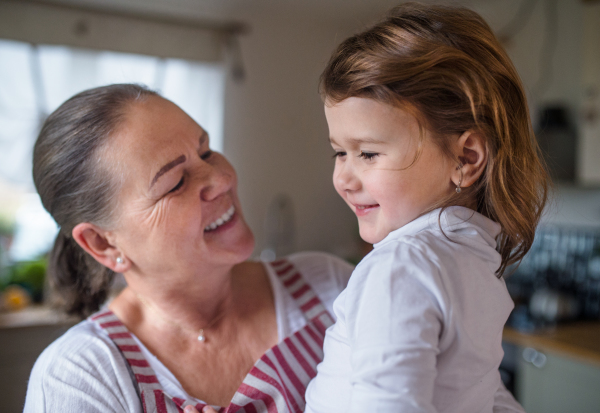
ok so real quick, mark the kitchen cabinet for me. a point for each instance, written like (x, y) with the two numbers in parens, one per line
(558, 370)
(23, 336)
(589, 146)
(548, 383)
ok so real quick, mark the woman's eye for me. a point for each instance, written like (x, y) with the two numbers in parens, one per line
(339, 154)
(206, 155)
(176, 187)
(367, 155)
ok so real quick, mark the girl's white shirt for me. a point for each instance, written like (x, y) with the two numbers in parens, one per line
(419, 326)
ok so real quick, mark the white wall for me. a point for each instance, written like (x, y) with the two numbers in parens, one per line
(572, 206)
(525, 48)
(276, 134)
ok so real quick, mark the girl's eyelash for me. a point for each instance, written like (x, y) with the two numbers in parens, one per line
(338, 154)
(367, 155)
(179, 185)
(206, 155)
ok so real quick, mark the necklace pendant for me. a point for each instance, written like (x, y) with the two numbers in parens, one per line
(201, 336)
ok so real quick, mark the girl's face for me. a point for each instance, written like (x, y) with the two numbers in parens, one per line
(375, 168)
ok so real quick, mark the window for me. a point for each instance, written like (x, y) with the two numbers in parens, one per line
(35, 80)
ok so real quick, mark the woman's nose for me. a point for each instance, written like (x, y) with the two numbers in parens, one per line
(344, 177)
(216, 181)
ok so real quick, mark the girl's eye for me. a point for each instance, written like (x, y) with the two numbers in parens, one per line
(176, 187)
(206, 155)
(339, 154)
(368, 155)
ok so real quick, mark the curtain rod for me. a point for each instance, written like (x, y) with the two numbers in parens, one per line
(226, 27)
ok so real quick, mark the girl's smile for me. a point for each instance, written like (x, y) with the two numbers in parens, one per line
(362, 210)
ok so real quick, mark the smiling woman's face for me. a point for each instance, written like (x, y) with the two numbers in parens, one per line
(178, 205)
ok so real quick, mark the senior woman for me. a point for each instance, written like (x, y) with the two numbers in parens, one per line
(135, 189)
(131, 181)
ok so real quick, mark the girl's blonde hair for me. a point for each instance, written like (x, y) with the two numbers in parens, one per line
(445, 65)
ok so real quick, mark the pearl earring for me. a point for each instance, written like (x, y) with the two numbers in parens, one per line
(119, 260)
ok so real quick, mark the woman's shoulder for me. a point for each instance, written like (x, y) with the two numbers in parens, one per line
(79, 341)
(322, 268)
(83, 340)
(83, 364)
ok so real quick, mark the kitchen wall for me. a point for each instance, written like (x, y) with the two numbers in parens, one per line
(275, 132)
(574, 206)
(546, 47)
(274, 121)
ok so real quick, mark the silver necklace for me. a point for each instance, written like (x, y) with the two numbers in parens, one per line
(201, 337)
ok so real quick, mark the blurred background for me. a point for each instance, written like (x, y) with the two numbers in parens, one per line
(247, 71)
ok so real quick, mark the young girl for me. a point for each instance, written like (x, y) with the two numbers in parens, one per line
(435, 155)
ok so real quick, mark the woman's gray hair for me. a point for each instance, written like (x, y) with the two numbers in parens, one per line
(76, 184)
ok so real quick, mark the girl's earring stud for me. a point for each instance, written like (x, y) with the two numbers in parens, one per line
(119, 260)
(459, 168)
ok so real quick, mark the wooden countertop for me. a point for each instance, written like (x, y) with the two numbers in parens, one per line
(580, 340)
(37, 315)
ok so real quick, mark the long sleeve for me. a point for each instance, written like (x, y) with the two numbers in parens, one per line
(504, 402)
(395, 329)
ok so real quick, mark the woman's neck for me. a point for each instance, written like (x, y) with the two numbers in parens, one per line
(189, 304)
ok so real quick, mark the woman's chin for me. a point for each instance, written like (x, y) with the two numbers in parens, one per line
(240, 242)
(248, 247)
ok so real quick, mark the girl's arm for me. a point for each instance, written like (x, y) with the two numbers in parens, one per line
(394, 323)
(504, 402)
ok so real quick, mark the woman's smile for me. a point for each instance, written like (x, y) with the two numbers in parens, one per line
(192, 193)
(225, 221)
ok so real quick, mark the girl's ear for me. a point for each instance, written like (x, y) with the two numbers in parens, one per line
(95, 241)
(471, 152)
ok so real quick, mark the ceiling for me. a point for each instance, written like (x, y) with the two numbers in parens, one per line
(344, 12)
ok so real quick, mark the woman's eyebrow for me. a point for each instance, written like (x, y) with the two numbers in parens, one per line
(167, 168)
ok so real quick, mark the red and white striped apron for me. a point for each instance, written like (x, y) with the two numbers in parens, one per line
(275, 384)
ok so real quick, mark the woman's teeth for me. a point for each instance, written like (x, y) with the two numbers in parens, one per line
(221, 220)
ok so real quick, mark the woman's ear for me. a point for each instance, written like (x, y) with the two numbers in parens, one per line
(95, 241)
(471, 152)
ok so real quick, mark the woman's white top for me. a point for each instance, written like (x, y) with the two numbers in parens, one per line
(419, 327)
(83, 370)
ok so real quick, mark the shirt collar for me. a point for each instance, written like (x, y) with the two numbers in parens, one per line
(454, 219)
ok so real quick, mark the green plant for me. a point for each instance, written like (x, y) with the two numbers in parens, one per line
(31, 276)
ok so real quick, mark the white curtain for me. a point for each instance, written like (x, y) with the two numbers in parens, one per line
(35, 80)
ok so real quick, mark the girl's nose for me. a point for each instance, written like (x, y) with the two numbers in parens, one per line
(344, 177)
(217, 180)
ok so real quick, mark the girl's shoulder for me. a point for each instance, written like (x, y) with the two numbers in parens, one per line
(419, 250)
